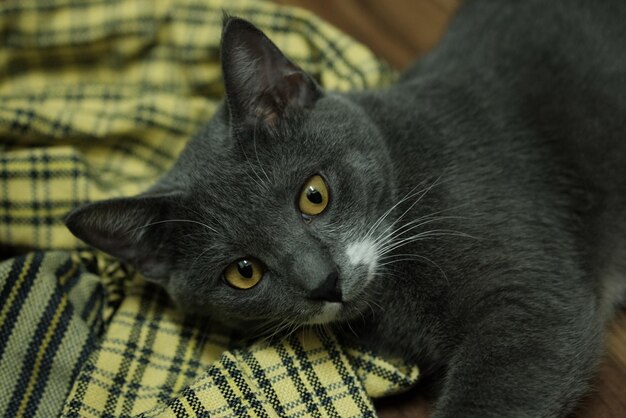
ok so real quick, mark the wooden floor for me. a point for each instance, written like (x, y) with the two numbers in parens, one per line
(399, 31)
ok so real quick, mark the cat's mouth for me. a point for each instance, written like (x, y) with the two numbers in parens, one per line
(354, 289)
(330, 312)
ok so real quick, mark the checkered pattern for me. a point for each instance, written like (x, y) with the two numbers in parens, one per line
(97, 98)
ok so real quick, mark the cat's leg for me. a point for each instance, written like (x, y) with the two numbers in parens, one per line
(523, 359)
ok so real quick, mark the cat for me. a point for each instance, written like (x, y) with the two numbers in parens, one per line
(470, 217)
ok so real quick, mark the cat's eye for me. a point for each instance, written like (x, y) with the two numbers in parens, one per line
(314, 196)
(244, 273)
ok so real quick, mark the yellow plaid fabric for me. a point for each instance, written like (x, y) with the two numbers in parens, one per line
(97, 98)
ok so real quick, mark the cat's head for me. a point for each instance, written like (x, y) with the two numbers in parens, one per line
(270, 214)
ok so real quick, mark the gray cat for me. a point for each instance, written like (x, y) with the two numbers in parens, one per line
(469, 218)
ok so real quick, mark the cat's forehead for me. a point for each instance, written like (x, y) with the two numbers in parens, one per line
(246, 212)
(237, 189)
(269, 167)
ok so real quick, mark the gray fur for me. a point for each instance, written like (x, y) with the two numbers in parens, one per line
(506, 147)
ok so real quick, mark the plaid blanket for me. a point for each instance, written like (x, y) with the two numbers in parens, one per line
(97, 98)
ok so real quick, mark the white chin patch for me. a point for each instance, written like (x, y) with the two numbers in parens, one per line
(329, 313)
(363, 253)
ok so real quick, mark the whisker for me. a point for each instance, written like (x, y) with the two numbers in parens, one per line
(417, 257)
(409, 195)
(173, 220)
(206, 250)
(416, 223)
(352, 329)
(420, 236)
(424, 193)
(395, 237)
(432, 214)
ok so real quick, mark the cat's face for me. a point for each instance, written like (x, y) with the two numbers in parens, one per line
(270, 214)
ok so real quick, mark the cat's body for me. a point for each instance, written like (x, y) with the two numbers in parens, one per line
(506, 148)
(528, 128)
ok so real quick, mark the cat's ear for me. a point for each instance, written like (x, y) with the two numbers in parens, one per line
(261, 83)
(133, 229)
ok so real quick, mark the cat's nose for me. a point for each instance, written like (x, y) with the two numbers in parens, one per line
(329, 290)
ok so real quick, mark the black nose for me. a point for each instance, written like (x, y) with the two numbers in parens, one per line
(328, 290)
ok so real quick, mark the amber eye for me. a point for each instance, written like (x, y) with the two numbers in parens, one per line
(244, 273)
(314, 196)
